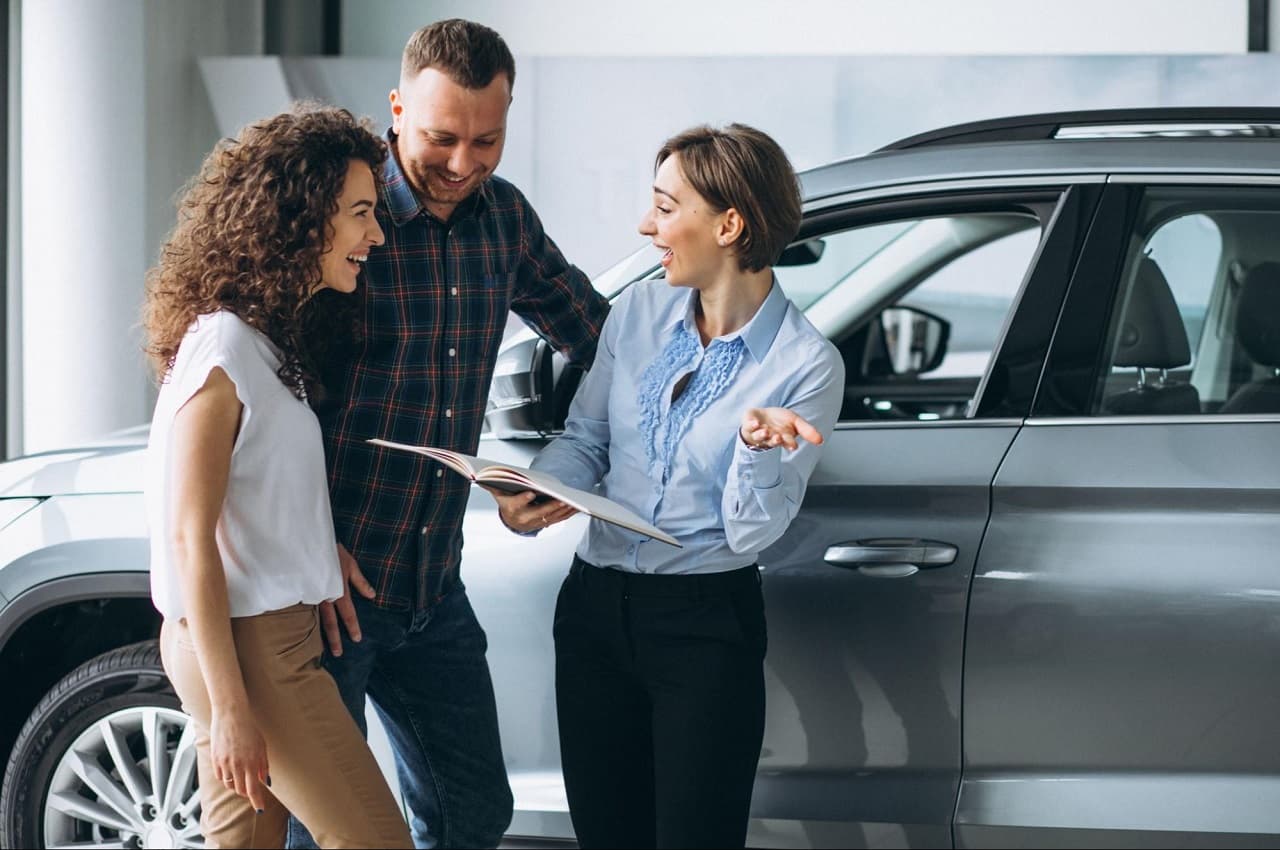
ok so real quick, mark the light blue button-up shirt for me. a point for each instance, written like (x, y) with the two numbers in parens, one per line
(682, 466)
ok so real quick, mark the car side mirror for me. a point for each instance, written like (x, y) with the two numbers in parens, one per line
(802, 253)
(914, 340)
(530, 392)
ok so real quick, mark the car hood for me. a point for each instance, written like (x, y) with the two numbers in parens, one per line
(114, 465)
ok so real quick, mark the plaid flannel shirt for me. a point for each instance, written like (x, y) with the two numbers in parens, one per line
(435, 301)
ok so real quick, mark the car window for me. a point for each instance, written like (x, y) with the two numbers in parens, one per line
(1196, 321)
(1188, 249)
(948, 283)
(840, 253)
(974, 293)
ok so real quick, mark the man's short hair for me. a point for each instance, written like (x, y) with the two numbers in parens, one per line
(741, 167)
(468, 53)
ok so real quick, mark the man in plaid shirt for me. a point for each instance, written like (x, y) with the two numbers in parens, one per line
(463, 248)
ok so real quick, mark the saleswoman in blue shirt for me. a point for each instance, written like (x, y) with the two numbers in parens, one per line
(704, 412)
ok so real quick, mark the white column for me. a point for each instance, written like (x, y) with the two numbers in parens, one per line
(84, 252)
(12, 398)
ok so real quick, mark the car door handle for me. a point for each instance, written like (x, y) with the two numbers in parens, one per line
(891, 557)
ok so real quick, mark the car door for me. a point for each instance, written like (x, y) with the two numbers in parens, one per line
(866, 592)
(1121, 681)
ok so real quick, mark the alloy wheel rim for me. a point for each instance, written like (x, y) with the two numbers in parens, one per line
(128, 781)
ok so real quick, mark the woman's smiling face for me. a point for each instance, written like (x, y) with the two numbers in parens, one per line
(353, 230)
(683, 225)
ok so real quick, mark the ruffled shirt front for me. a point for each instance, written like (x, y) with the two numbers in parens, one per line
(661, 434)
(680, 463)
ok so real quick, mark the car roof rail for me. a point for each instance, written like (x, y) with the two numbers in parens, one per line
(1164, 121)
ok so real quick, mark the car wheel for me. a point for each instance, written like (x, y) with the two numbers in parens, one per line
(107, 759)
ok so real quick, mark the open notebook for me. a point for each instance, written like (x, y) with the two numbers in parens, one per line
(517, 479)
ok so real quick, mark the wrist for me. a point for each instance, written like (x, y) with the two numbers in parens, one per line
(229, 705)
(530, 533)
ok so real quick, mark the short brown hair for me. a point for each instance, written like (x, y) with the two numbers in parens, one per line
(468, 53)
(741, 167)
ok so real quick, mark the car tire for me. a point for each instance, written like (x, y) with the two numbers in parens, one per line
(65, 772)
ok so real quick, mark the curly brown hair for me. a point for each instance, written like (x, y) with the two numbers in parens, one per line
(252, 226)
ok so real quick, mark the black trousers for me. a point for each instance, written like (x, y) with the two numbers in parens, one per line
(660, 699)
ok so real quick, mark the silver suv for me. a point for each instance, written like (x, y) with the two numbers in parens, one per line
(1032, 597)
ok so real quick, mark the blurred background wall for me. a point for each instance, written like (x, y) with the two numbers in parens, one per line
(113, 103)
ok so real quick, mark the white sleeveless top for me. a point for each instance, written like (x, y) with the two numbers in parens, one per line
(275, 533)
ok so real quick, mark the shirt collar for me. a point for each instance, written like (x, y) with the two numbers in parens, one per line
(402, 203)
(757, 334)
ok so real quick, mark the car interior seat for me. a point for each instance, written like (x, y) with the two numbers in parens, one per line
(1258, 332)
(1153, 338)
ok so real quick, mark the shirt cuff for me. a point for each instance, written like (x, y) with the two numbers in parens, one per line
(533, 533)
(759, 469)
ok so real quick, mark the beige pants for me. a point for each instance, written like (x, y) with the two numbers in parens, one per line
(321, 768)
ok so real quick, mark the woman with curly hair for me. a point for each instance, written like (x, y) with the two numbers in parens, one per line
(242, 540)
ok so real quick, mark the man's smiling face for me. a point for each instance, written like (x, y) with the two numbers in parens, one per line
(449, 137)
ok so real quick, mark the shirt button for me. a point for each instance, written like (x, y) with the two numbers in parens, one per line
(448, 414)
(439, 472)
(453, 352)
(453, 291)
(424, 529)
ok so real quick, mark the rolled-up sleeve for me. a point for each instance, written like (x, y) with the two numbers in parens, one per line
(764, 489)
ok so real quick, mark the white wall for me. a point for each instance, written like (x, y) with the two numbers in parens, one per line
(815, 27)
(602, 82)
(114, 120)
(583, 130)
(83, 257)
(180, 121)
(12, 399)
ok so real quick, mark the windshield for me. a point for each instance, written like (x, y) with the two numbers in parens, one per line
(638, 264)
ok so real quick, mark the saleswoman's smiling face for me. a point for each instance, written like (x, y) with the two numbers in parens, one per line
(683, 226)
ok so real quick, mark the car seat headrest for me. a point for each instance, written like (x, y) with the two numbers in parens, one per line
(1258, 314)
(1152, 335)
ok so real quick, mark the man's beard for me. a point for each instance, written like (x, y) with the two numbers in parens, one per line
(435, 190)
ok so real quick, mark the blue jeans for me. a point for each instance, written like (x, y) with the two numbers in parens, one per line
(428, 680)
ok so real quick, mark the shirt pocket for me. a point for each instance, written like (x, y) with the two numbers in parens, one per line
(484, 315)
